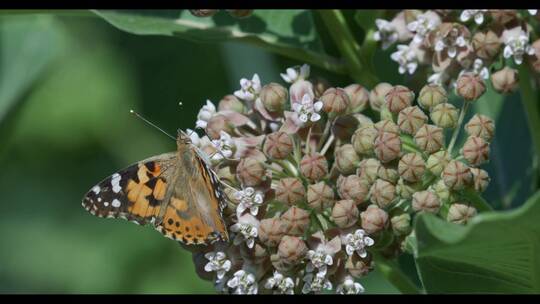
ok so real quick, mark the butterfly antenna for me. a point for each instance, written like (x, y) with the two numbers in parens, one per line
(151, 124)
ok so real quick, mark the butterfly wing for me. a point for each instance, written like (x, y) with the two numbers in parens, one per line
(194, 212)
(136, 193)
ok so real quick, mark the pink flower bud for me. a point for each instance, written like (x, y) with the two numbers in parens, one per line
(374, 219)
(345, 213)
(320, 196)
(250, 172)
(314, 166)
(398, 98)
(290, 191)
(295, 221)
(278, 145)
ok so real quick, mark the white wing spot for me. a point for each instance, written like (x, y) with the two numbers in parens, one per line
(116, 203)
(96, 189)
(106, 204)
(115, 182)
(99, 199)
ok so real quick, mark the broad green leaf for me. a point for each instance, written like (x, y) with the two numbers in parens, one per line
(287, 32)
(497, 252)
(28, 45)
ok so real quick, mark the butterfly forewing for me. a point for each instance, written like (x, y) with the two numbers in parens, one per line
(136, 193)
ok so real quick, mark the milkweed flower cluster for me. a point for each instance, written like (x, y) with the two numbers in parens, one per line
(447, 43)
(319, 182)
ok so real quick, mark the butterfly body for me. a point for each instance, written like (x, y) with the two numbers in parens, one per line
(177, 193)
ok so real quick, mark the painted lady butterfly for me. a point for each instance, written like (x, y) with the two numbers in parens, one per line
(175, 192)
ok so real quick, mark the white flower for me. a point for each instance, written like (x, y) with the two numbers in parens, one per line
(438, 78)
(249, 88)
(294, 73)
(217, 262)
(224, 146)
(478, 68)
(246, 229)
(318, 259)
(243, 283)
(307, 110)
(423, 24)
(194, 137)
(349, 286)
(315, 283)
(249, 199)
(284, 285)
(205, 113)
(532, 11)
(478, 15)
(386, 33)
(451, 43)
(406, 58)
(357, 242)
(516, 44)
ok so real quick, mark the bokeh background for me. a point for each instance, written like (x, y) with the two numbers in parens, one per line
(67, 84)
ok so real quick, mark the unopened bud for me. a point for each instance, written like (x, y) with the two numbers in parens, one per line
(481, 126)
(335, 100)
(250, 172)
(376, 96)
(411, 119)
(346, 159)
(386, 125)
(292, 249)
(445, 115)
(359, 267)
(271, 231)
(411, 167)
(401, 224)
(456, 175)
(368, 169)
(437, 161)
(314, 166)
(382, 193)
(475, 150)
(388, 173)
(387, 146)
(406, 189)
(460, 213)
(470, 86)
(345, 213)
(374, 219)
(274, 97)
(505, 80)
(429, 138)
(480, 179)
(432, 95)
(352, 187)
(363, 139)
(278, 145)
(320, 196)
(215, 125)
(358, 96)
(290, 191)
(425, 201)
(295, 221)
(398, 98)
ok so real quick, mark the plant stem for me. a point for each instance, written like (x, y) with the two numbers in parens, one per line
(347, 45)
(529, 101)
(455, 134)
(327, 145)
(391, 271)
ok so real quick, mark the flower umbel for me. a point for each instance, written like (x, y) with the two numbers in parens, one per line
(280, 283)
(243, 283)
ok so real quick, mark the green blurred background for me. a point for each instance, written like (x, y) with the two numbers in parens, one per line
(66, 87)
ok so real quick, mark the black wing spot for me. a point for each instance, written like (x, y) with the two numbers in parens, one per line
(151, 166)
(170, 221)
(177, 224)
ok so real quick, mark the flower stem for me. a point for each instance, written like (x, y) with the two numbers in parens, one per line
(529, 101)
(455, 134)
(347, 45)
(328, 144)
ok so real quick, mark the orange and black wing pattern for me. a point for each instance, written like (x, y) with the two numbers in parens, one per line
(136, 193)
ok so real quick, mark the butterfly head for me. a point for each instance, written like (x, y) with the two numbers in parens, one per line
(183, 138)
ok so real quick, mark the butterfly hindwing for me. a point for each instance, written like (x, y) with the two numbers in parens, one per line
(136, 193)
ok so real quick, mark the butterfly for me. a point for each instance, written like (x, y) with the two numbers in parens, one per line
(177, 193)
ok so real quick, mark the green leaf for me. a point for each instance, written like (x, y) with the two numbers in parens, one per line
(287, 32)
(28, 45)
(496, 252)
